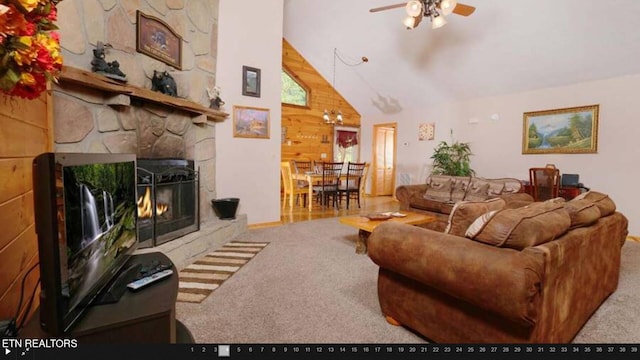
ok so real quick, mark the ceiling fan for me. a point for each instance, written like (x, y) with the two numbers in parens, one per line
(435, 10)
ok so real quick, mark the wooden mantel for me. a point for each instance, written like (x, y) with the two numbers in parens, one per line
(96, 81)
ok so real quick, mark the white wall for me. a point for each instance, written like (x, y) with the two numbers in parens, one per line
(249, 168)
(412, 155)
(497, 145)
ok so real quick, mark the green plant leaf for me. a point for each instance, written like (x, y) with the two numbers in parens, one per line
(452, 159)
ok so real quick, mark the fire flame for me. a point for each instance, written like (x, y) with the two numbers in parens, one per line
(144, 206)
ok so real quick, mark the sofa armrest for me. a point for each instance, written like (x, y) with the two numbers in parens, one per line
(500, 280)
(516, 200)
(405, 192)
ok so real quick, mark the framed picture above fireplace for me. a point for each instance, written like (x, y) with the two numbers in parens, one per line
(250, 122)
(157, 39)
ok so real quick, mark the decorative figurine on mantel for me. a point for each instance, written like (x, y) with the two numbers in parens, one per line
(109, 69)
(215, 102)
(164, 83)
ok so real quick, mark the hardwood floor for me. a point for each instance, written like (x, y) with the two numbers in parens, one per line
(368, 205)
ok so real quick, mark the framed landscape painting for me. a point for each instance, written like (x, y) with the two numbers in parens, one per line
(561, 131)
(250, 122)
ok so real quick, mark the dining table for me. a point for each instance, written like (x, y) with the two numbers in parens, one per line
(311, 178)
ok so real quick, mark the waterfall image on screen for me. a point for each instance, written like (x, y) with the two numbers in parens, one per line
(100, 224)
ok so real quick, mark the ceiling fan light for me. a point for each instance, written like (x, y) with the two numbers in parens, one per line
(411, 22)
(438, 22)
(447, 6)
(414, 8)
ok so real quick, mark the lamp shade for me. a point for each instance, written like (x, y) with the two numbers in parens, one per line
(414, 8)
(411, 22)
(438, 22)
(447, 6)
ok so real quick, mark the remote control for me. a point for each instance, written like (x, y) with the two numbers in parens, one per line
(146, 272)
(149, 279)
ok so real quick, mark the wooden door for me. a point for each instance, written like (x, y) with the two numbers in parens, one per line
(384, 159)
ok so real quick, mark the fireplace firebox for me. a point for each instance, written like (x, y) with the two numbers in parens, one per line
(168, 205)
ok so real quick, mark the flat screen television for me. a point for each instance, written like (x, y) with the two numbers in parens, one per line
(86, 217)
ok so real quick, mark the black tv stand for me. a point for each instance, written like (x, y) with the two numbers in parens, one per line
(145, 316)
(116, 288)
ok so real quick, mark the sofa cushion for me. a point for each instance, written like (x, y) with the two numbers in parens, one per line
(582, 212)
(459, 188)
(417, 201)
(496, 186)
(511, 185)
(478, 190)
(556, 200)
(439, 188)
(602, 201)
(465, 212)
(478, 224)
(530, 225)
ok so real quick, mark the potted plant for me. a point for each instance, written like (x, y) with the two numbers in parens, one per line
(452, 159)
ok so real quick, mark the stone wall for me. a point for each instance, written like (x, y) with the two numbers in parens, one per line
(87, 120)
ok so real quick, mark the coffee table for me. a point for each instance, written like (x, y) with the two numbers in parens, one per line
(366, 226)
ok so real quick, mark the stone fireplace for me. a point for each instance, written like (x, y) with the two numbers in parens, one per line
(87, 121)
(97, 115)
(176, 162)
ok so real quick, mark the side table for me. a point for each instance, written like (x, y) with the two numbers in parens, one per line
(144, 316)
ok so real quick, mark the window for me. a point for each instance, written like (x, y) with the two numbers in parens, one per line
(345, 144)
(293, 92)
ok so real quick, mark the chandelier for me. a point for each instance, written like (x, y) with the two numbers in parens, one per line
(435, 10)
(333, 116)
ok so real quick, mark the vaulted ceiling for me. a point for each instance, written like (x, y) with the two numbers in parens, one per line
(506, 46)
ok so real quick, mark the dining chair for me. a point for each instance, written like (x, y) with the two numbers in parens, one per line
(545, 183)
(328, 187)
(301, 167)
(351, 186)
(290, 186)
(363, 181)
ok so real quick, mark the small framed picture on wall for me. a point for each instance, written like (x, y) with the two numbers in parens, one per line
(427, 131)
(250, 81)
(250, 122)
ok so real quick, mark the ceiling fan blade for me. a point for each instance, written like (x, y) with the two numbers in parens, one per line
(464, 10)
(388, 7)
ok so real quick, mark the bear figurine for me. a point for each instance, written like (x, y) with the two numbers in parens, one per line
(164, 83)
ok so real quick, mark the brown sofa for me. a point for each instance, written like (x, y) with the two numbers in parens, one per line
(439, 193)
(534, 274)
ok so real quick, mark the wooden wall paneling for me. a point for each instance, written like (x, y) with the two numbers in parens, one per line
(15, 215)
(28, 111)
(305, 129)
(21, 139)
(10, 299)
(22, 252)
(15, 178)
(26, 130)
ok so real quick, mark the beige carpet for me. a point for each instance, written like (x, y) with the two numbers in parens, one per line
(309, 286)
(201, 278)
